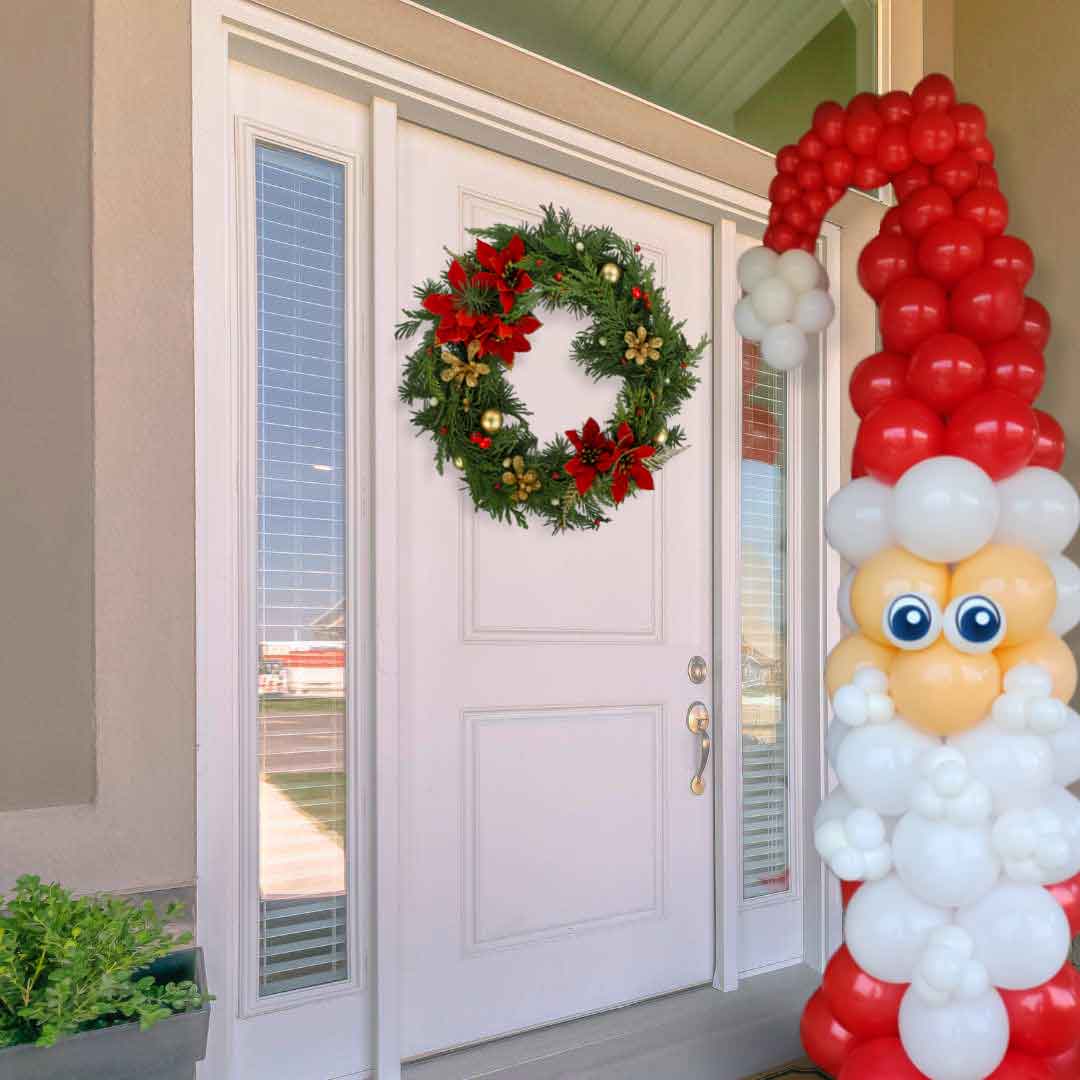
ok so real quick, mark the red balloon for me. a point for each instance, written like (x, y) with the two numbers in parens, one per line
(825, 1039)
(1067, 1066)
(834, 193)
(970, 123)
(983, 152)
(876, 379)
(810, 176)
(858, 470)
(987, 305)
(1035, 324)
(1012, 254)
(933, 137)
(867, 1007)
(934, 93)
(776, 214)
(893, 151)
(957, 173)
(784, 237)
(868, 174)
(1017, 366)
(924, 208)
(884, 261)
(1050, 454)
(797, 214)
(896, 107)
(1045, 1020)
(838, 165)
(787, 159)
(808, 242)
(896, 435)
(949, 250)
(882, 1059)
(891, 225)
(1021, 1067)
(912, 310)
(849, 888)
(987, 208)
(828, 122)
(988, 177)
(994, 429)
(783, 189)
(861, 131)
(910, 180)
(818, 202)
(945, 371)
(812, 146)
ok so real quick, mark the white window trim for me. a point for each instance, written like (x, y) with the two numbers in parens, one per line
(396, 88)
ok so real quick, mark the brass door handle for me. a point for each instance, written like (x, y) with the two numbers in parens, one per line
(697, 720)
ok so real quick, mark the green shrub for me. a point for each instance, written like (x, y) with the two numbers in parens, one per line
(72, 963)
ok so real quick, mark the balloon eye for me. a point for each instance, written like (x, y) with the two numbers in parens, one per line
(974, 623)
(912, 621)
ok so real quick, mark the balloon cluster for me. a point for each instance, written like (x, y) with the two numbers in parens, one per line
(952, 830)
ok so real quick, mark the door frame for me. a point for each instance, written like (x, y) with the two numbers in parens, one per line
(395, 90)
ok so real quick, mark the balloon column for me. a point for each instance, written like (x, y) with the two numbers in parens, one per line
(952, 830)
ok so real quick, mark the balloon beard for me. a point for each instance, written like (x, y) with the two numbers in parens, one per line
(952, 830)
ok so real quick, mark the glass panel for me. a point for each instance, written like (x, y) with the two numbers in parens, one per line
(300, 222)
(766, 867)
(754, 69)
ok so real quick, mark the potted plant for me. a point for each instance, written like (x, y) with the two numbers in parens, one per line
(94, 987)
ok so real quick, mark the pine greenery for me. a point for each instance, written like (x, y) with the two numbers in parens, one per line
(564, 262)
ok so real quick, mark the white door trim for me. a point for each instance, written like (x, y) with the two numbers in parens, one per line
(221, 28)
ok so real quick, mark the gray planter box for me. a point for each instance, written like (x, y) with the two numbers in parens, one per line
(168, 1051)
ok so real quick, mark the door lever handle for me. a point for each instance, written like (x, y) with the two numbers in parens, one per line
(697, 720)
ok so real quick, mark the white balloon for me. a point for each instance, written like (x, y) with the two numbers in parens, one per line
(1017, 767)
(1065, 745)
(858, 520)
(774, 300)
(887, 928)
(814, 310)
(747, 322)
(1033, 846)
(843, 602)
(1040, 511)
(1067, 577)
(799, 269)
(837, 732)
(755, 265)
(784, 347)
(834, 807)
(944, 509)
(944, 864)
(965, 1039)
(1020, 933)
(878, 765)
(1067, 808)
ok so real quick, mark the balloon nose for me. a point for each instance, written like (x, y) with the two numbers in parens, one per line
(943, 691)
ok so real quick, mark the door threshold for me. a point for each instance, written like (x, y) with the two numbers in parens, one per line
(699, 1033)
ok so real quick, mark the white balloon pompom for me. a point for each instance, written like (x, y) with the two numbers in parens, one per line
(1067, 577)
(945, 864)
(944, 509)
(887, 928)
(1066, 808)
(1017, 767)
(755, 265)
(799, 269)
(837, 732)
(963, 1039)
(858, 520)
(1065, 745)
(747, 322)
(1021, 934)
(1040, 511)
(878, 764)
(814, 310)
(784, 347)
(774, 300)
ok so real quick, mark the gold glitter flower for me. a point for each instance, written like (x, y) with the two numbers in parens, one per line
(641, 347)
(523, 481)
(458, 371)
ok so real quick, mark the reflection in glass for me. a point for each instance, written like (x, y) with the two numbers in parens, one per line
(766, 867)
(300, 223)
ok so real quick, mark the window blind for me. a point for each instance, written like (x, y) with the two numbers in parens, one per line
(764, 719)
(300, 587)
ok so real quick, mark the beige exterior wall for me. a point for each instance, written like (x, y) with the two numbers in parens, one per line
(1018, 62)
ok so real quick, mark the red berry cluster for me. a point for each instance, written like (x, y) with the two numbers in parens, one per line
(850, 1026)
(963, 358)
(478, 438)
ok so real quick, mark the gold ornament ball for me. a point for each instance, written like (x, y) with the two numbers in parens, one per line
(459, 462)
(491, 421)
(661, 437)
(506, 463)
(611, 273)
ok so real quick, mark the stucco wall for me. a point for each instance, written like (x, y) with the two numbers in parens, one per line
(1018, 62)
(119, 310)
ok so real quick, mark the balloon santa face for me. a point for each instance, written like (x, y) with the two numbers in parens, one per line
(952, 829)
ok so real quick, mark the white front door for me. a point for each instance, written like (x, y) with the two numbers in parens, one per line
(555, 861)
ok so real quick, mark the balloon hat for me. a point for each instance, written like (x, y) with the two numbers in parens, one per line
(952, 830)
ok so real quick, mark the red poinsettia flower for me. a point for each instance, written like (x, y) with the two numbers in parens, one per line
(627, 464)
(456, 322)
(504, 339)
(501, 273)
(595, 454)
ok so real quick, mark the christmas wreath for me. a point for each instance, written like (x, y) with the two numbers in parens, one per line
(478, 317)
